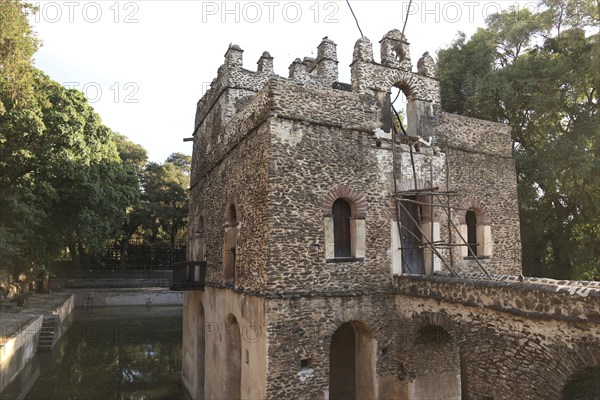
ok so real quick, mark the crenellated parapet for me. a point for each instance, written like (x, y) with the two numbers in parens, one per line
(232, 76)
(241, 83)
(298, 71)
(395, 50)
(368, 78)
(394, 70)
(426, 66)
(265, 63)
(325, 67)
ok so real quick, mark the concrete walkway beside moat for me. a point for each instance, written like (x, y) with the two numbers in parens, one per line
(20, 330)
(16, 319)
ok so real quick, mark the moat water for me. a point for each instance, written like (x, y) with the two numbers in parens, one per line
(109, 353)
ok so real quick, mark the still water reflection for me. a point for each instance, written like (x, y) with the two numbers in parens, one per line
(110, 353)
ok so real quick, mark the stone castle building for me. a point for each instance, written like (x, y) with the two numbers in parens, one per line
(348, 256)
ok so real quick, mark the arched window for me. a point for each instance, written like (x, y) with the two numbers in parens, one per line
(344, 224)
(475, 229)
(471, 220)
(399, 111)
(230, 246)
(341, 228)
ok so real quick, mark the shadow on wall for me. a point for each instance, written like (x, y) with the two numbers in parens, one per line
(584, 385)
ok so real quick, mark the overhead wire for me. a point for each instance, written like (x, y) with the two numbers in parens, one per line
(429, 243)
(406, 19)
(355, 19)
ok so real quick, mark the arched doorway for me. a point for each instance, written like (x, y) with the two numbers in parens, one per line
(584, 385)
(200, 351)
(437, 363)
(233, 359)
(399, 109)
(352, 363)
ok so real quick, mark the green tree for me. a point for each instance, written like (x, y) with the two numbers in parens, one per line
(161, 210)
(135, 159)
(538, 73)
(165, 190)
(63, 184)
(17, 45)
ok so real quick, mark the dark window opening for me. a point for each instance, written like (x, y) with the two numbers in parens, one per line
(341, 228)
(412, 250)
(305, 364)
(232, 215)
(471, 221)
(230, 247)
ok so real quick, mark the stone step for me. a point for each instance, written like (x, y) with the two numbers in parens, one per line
(48, 332)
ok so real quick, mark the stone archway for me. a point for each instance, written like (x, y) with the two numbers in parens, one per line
(436, 360)
(352, 363)
(233, 359)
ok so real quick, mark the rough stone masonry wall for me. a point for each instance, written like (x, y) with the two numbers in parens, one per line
(479, 151)
(306, 162)
(301, 329)
(275, 148)
(368, 75)
(222, 129)
(516, 340)
(314, 104)
(482, 172)
(240, 179)
(512, 340)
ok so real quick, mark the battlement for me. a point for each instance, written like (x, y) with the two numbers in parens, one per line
(368, 77)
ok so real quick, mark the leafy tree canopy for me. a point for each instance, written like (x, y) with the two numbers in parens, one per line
(69, 185)
(17, 46)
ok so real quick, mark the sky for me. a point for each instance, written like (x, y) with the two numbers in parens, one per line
(144, 65)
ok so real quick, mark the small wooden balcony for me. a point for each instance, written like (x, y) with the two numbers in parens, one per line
(189, 275)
